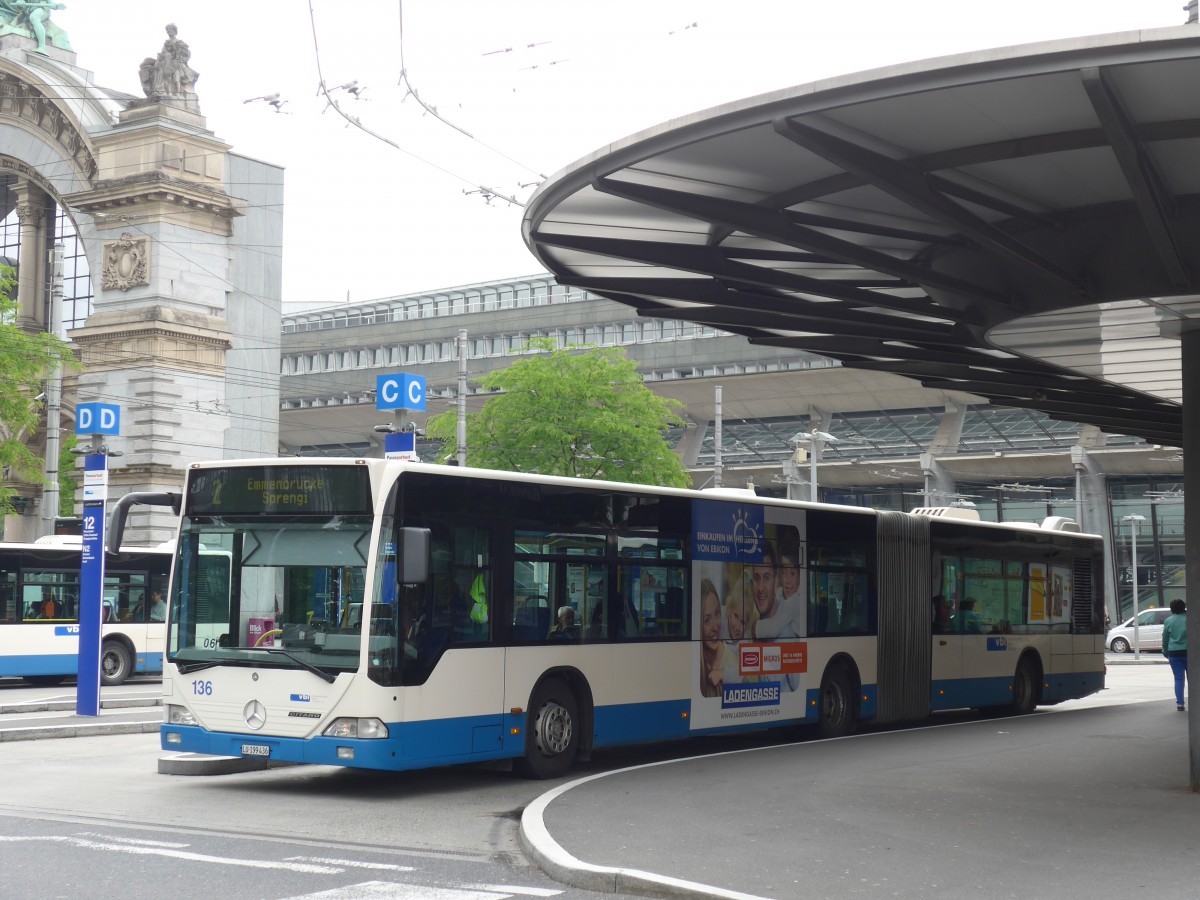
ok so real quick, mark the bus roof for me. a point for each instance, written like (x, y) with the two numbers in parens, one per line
(384, 471)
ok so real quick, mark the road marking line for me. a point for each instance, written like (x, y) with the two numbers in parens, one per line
(351, 863)
(514, 889)
(122, 840)
(386, 890)
(179, 854)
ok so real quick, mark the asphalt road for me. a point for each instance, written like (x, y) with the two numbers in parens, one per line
(1080, 799)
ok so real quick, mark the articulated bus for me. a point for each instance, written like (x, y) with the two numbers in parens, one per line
(393, 615)
(39, 611)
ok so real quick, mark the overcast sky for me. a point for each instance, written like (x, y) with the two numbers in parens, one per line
(365, 219)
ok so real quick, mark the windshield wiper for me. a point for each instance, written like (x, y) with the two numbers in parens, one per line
(185, 668)
(320, 673)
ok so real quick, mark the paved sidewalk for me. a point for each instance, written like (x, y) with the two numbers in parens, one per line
(1089, 799)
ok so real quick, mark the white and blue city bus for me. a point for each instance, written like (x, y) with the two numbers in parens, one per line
(393, 615)
(39, 611)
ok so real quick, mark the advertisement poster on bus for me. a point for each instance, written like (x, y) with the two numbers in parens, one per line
(750, 609)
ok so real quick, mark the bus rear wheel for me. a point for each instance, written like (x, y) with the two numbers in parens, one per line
(838, 710)
(552, 733)
(1025, 689)
(114, 663)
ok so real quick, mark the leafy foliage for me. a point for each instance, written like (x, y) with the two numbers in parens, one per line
(580, 414)
(68, 482)
(25, 360)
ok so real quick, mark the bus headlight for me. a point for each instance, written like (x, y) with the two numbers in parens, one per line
(178, 715)
(363, 729)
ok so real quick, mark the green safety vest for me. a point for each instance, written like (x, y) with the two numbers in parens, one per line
(479, 610)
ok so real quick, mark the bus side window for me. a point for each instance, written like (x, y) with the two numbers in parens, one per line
(671, 613)
(8, 600)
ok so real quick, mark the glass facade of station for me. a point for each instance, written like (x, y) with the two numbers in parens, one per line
(77, 281)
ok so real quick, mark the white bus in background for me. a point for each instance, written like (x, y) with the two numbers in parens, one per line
(39, 611)
(394, 615)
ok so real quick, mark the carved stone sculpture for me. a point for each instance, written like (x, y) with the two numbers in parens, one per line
(169, 77)
(126, 263)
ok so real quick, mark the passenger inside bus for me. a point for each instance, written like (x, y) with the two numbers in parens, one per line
(565, 628)
(941, 614)
(966, 620)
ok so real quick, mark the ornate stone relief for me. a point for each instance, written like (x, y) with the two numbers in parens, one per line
(126, 263)
(29, 214)
(23, 101)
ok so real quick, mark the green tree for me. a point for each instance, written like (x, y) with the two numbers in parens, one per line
(68, 483)
(26, 359)
(564, 412)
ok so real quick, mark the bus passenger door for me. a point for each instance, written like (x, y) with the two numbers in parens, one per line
(947, 665)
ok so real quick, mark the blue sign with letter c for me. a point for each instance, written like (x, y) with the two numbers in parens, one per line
(399, 391)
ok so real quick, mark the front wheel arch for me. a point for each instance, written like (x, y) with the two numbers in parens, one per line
(553, 730)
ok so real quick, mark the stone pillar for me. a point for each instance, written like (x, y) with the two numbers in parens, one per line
(158, 339)
(940, 486)
(1190, 379)
(1093, 512)
(35, 212)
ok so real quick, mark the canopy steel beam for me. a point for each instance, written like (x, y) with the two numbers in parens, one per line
(1154, 201)
(912, 187)
(776, 225)
(729, 316)
(702, 260)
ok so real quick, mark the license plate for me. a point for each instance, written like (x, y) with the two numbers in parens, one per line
(255, 750)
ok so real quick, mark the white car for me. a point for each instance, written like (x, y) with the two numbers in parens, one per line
(1150, 626)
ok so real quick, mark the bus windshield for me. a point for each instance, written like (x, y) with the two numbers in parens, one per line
(283, 591)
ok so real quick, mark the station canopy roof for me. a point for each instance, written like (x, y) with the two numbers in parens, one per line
(1020, 224)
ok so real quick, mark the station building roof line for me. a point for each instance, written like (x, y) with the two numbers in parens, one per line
(1015, 224)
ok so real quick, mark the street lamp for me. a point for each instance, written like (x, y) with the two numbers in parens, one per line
(816, 439)
(1134, 522)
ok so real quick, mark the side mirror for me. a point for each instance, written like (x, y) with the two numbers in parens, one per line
(412, 555)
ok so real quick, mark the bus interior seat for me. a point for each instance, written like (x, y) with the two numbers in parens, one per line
(532, 623)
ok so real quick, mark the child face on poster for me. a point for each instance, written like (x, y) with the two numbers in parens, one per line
(735, 619)
(789, 576)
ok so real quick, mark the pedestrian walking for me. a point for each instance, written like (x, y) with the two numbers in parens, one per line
(1174, 647)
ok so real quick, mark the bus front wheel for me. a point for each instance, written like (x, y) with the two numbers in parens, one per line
(839, 712)
(114, 663)
(552, 732)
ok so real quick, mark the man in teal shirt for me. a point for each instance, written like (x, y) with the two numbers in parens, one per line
(1174, 646)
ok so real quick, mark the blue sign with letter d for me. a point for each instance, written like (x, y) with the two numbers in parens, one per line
(97, 418)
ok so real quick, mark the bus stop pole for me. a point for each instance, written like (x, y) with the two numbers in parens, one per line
(91, 583)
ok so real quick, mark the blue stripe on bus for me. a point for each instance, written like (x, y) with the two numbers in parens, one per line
(478, 739)
(634, 723)
(978, 692)
(148, 663)
(411, 746)
(42, 664)
(482, 738)
(68, 664)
